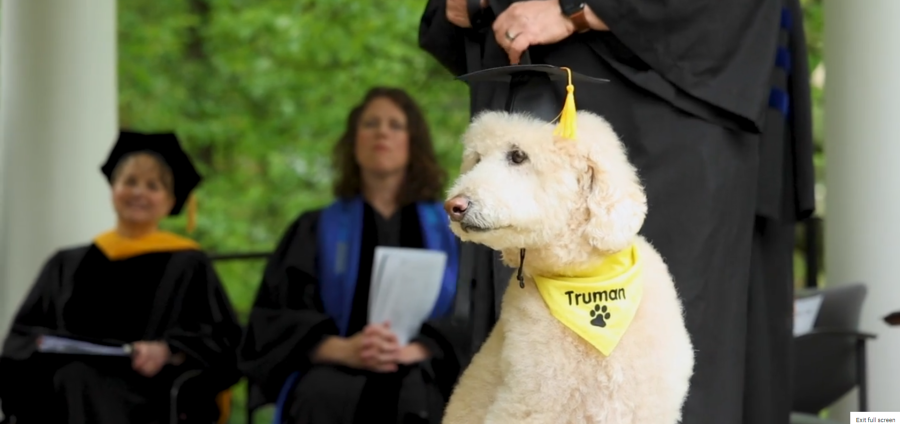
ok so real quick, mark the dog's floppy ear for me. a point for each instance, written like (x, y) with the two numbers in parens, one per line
(616, 206)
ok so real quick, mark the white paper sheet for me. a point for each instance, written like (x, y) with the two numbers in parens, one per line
(54, 344)
(405, 285)
(806, 310)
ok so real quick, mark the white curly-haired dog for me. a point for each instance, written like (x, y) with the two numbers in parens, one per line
(572, 205)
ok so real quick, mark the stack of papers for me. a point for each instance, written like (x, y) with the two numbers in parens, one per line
(54, 344)
(405, 285)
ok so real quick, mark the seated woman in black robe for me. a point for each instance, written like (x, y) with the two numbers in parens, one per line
(308, 338)
(135, 286)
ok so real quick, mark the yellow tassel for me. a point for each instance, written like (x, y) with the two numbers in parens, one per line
(566, 127)
(192, 213)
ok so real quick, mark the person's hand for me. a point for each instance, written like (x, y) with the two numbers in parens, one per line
(529, 23)
(413, 353)
(458, 12)
(380, 348)
(375, 348)
(150, 357)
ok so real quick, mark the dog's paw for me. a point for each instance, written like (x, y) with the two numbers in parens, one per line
(599, 315)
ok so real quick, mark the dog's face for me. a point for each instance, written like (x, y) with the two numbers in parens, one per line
(521, 187)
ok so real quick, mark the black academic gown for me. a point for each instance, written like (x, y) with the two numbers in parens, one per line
(725, 178)
(288, 321)
(174, 297)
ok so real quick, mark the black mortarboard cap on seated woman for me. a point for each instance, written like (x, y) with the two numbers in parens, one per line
(167, 149)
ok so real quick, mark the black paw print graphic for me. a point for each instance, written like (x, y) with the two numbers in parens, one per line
(599, 315)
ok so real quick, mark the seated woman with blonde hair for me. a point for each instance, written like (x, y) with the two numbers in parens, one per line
(136, 286)
(309, 338)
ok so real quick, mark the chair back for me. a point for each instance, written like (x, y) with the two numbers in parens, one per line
(826, 361)
(841, 306)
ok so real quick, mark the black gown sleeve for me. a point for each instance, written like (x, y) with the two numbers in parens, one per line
(204, 327)
(447, 340)
(39, 312)
(684, 33)
(287, 320)
(36, 314)
(441, 39)
(720, 52)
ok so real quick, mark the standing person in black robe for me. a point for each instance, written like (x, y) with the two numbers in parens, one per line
(712, 102)
(134, 285)
(309, 345)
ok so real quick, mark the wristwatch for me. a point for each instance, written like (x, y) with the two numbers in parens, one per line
(574, 10)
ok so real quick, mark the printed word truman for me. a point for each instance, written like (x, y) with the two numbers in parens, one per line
(576, 299)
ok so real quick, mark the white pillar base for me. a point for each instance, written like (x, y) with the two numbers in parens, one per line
(862, 218)
(58, 121)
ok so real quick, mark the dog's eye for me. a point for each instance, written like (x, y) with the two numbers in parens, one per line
(516, 157)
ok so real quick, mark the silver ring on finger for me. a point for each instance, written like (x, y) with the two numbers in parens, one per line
(510, 37)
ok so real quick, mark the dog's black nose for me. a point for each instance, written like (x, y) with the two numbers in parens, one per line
(456, 208)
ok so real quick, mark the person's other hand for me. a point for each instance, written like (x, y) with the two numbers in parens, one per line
(149, 357)
(413, 353)
(458, 12)
(530, 23)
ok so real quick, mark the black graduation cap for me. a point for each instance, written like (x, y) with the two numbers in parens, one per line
(533, 89)
(167, 148)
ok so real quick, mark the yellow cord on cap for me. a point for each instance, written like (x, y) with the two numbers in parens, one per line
(192, 213)
(566, 127)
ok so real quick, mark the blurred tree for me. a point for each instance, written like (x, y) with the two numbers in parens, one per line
(259, 92)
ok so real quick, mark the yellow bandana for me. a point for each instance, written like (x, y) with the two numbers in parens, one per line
(598, 307)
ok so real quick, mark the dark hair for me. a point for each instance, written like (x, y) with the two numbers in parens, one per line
(424, 180)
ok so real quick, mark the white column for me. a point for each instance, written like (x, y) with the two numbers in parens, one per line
(58, 121)
(862, 217)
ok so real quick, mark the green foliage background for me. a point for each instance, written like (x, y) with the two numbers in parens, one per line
(259, 91)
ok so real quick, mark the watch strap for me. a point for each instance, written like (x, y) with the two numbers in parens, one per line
(574, 10)
(580, 21)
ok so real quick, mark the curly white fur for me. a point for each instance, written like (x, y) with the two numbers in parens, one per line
(569, 203)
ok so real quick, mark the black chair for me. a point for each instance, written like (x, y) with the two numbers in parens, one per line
(830, 360)
(202, 396)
